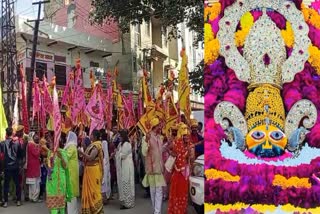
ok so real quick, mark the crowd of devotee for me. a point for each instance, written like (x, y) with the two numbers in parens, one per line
(90, 169)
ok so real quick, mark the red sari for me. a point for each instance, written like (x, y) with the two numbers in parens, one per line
(178, 197)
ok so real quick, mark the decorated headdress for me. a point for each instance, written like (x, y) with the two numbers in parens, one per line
(265, 66)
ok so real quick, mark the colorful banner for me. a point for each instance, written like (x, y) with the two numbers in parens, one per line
(25, 113)
(3, 120)
(36, 98)
(79, 104)
(94, 110)
(56, 119)
(184, 86)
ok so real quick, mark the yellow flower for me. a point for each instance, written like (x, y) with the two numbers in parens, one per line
(213, 174)
(288, 35)
(212, 12)
(211, 51)
(314, 58)
(246, 20)
(224, 208)
(285, 183)
(208, 34)
(311, 16)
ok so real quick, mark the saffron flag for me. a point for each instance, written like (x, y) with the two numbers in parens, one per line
(47, 100)
(94, 110)
(172, 114)
(67, 98)
(79, 104)
(144, 121)
(56, 119)
(36, 98)
(25, 113)
(184, 87)
(145, 90)
(121, 112)
(3, 120)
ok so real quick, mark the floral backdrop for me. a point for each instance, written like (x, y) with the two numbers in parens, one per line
(249, 185)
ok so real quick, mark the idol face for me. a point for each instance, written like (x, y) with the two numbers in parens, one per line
(266, 142)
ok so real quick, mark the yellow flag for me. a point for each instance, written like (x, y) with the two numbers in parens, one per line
(120, 110)
(144, 121)
(172, 115)
(3, 120)
(147, 99)
(184, 87)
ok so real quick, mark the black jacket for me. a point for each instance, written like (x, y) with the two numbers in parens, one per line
(12, 154)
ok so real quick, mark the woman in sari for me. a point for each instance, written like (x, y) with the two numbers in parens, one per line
(106, 182)
(58, 182)
(91, 201)
(125, 172)
(73, 166)
(178, 197)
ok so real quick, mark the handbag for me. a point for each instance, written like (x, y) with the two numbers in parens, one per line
(170, 163)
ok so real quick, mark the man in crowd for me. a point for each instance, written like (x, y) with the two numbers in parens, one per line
(197, 140)
(152, 150)
(12, 157)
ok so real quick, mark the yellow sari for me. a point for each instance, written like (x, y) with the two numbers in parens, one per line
(92, 180)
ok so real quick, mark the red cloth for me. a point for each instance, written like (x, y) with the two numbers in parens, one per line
(33, 162)
(178, 197)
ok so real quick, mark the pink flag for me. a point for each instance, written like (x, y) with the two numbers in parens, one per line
(36, 99)
(95, 109)
(79, 103)
(56, 119)
(109, 101)
(67, 98)
(47, 100)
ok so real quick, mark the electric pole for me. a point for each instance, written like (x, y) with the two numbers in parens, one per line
(34, 50)
(9, 68)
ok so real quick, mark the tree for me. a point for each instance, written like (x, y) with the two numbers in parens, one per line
(169, 12)
(196, 78)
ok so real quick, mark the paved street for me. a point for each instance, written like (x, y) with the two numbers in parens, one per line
(142, 206)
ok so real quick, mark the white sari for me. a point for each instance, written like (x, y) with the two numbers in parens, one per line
(125, 175)
(106, 183)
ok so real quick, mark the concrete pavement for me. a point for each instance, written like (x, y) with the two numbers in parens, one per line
(143, 205)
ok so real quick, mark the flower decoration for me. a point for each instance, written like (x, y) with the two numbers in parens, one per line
(314, 58)
(311, 16)
(216, 174)
(246, 23)
(212, 12)
(285, 183)
(288, 35)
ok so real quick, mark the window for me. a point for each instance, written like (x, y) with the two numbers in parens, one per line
(41, 70)
(61, 76)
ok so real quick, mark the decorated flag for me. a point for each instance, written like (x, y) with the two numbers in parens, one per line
(36, 98)
(56, 119)
(129, 117)
(121, 111)
(172, 114)
(94, 110)
(109, 101)
(47, 100)
(145, 90)
(67, 98)
(3, 119)
(25, 114)
(79, 104)
(184, 86)
(15, 120)
(144, 121)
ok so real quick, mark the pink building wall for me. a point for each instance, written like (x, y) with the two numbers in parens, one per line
(82, 24)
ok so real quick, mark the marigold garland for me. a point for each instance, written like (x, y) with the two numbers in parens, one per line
(213, 174)
(288, 35)
(258, 207)
(285, 183)
(311, 16)
(212, 12)
(246, 23)
(211, 50)
(314, 58)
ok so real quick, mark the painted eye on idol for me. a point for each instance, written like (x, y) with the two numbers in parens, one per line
(276, 135)
(257, 135)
